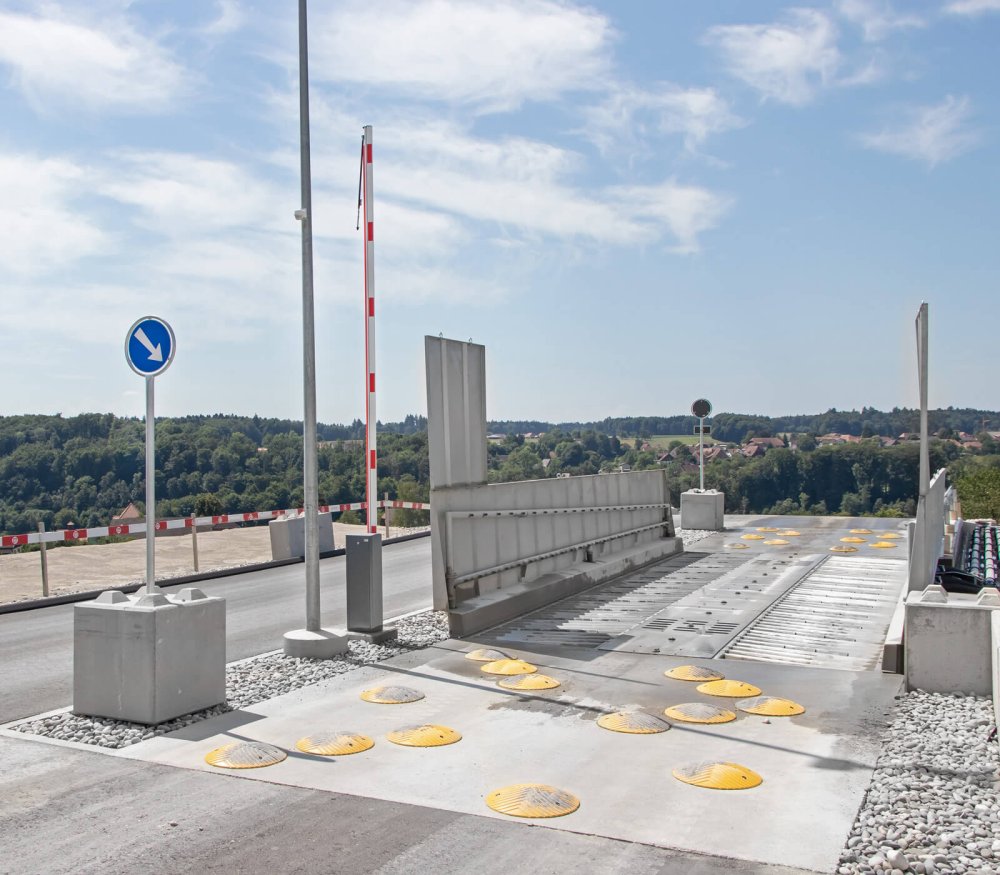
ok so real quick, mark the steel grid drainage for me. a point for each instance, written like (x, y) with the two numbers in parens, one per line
(728, 689)
(335, 743)
(770, 706)
(532, 800)
(245, 755)
(508, 667)
(633, 723)
(693, 673)
(427, 735)
(718, 776)
(529, 682)
(699, 712)
(392, 695)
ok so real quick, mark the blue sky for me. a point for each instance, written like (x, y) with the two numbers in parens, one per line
(631, 204)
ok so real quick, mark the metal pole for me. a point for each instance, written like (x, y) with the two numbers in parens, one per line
(371, 463)
(194, 540)
(701, 453)
(309, 463)
(387, 515)
(45, 562)
(922, 336)
(150, 488)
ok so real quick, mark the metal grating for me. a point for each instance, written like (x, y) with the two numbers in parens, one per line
(836, 617)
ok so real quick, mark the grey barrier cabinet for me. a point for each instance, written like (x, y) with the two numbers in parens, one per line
(364, 588)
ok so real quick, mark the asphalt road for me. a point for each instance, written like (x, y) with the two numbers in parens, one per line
(36, 647)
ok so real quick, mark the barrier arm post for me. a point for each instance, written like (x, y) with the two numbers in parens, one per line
(45, 562)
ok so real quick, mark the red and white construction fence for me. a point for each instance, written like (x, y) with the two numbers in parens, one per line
(61, 535)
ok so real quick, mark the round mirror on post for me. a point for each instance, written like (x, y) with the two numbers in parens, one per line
(701, 408)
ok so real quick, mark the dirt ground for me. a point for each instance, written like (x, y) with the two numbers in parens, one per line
(85, 567)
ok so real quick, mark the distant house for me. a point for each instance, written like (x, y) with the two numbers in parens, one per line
(624, 469)
(663, 458)
(767, 442)
(972, 445)
(128, 514)
(753, 451)
(546, 463)
(887, 441)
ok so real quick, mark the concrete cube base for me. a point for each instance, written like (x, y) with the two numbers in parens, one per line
(288, 536)
(149, 658)
(948, 641)
(703, 510)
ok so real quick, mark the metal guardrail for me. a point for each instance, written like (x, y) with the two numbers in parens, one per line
(457, 580)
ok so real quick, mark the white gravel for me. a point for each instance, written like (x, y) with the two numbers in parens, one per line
(247, 682)
(933, 804)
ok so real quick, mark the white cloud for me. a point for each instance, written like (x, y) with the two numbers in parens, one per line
(630, 113)
(494, 55)
(181, 194)
(931, 134)
(55, 59)
(785, 61)
(972, 7)
(686, 210)
(876, 18)
(40, 229)
(231, 18)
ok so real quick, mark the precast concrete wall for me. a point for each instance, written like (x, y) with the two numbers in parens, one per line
(533, 528)
(927, 544)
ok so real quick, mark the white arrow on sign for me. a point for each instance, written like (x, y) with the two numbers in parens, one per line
(155, 352)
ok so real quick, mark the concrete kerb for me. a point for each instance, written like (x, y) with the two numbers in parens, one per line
(129, 588)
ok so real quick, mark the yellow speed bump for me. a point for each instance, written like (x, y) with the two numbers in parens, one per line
(532, 800)
(693, 673)
(850, 540)
(699, 712)
(752, 537)
(770, 706)
(509, 667)
(245, 755)
(529, 682)
(789, 533)
(841, 549)
(890, 536)
(766, 529)
(428, 735)
(487, 654)
(718, 776)
(392, 695)
(861, 532)
(883, 545)
(776, 542)
(335, 744)
(737, 546)
(729, 689)
(632, 722)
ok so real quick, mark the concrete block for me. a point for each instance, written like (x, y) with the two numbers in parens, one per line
(995, 650)
(948, 645)
(703, 510)
(288, 536)
(149, 658)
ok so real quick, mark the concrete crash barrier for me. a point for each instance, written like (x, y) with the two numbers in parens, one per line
(288, 535)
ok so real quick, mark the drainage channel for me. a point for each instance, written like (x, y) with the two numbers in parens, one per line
(594, 617)
(835, 617)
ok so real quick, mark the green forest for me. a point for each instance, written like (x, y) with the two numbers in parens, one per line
(82, 470)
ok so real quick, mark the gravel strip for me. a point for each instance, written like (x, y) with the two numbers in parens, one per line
(247, 682)
(933, 804)
(693, 536)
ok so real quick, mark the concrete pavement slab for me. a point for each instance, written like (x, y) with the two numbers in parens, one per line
(816, 767)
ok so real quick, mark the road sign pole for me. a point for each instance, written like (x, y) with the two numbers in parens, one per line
(701, 453)
(150, 488)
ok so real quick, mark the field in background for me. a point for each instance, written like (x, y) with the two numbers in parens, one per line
(662, 441)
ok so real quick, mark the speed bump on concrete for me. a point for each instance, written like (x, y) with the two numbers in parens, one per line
(770, 706)
(487, 654)
(789, 533)
(852, 540)
(529, 682)
(718, 776)
(883, 545)
(737, 546)
(693, 673)
(729, 689)
(776, 542)
(752, 537)
(767, 528)
(245, 755)
(843, 549)
(890, 536)
(392, 695)
(426, 735)
(532, 800)
(335, 743)
(633, 723)
(508, 667)
(861, 532)
(699, 712)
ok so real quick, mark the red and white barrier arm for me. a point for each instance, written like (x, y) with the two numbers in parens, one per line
(111, 531)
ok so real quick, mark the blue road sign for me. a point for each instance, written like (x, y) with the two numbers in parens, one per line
(150, 346)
